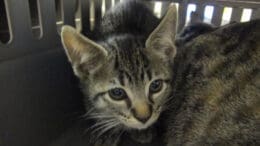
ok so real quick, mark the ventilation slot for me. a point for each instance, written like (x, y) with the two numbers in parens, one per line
(157, 9)
(78, 21)
(92, 15)
(190, 9)
(105, 6)
(35, 21)
(113, 2)
(4, 29)
(246, 15)
(226, 15)
(208, 13)
(59, 17)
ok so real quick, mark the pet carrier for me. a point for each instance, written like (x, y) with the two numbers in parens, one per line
(39, 96)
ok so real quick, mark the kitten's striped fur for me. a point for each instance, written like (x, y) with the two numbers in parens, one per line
(126, 55)
(210, 84)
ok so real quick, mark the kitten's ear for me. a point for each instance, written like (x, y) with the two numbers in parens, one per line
(85, 55)
(160, 43)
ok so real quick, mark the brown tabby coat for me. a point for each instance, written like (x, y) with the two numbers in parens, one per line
(216, 89)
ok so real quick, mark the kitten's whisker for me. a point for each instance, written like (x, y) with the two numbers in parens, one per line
(94, 126)
(89, 112)
(102, 116)
(107, 128)
(102, 126)
(98, 116)
(100, 123)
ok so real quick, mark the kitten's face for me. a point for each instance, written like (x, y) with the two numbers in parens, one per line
(130, 87)
(127, 82)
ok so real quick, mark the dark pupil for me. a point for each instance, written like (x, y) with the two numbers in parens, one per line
(155, 86)
(117, 94)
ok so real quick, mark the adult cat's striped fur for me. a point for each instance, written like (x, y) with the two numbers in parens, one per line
(216, 94)
(206, 92)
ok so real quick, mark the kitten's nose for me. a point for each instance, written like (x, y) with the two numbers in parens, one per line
(142, 112)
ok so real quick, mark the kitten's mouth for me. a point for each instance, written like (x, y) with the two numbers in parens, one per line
(133, 123)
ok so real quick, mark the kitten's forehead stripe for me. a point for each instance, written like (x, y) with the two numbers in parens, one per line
(146, 62)
(121, 78)
(130, 62)
(142, 75)
(149, 74)
(116, 61)
(128, 76)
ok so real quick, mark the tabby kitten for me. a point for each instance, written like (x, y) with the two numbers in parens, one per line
(126, 73)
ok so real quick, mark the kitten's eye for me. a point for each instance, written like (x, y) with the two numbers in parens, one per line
(117, 94)
(155, 86)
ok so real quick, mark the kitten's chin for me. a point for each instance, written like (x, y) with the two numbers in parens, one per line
(139, 126)
(135, 124)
